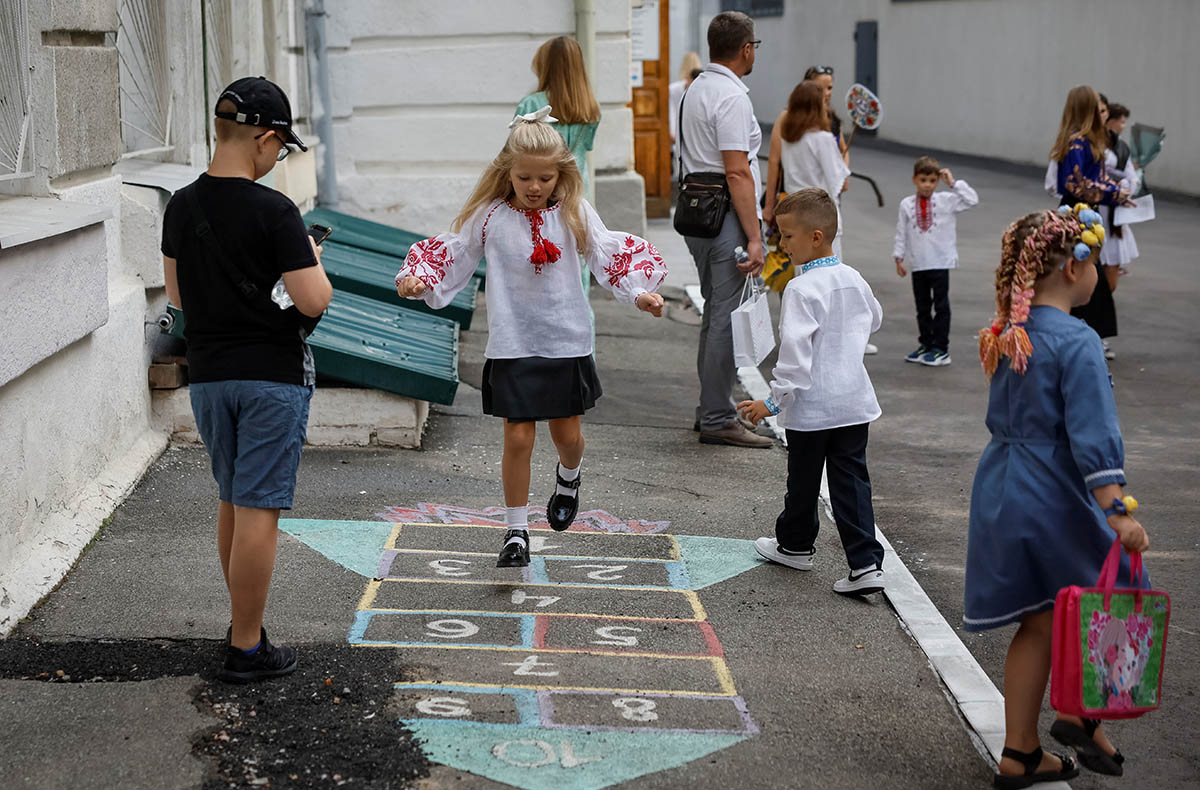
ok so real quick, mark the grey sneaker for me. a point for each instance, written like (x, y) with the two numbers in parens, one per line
(736, 435)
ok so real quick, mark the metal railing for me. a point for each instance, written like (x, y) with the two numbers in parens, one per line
(15, 94)
(144, 77)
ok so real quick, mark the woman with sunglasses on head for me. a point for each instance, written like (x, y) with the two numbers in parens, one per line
(823, 76)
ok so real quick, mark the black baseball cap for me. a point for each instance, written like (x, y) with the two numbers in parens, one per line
(261, 102)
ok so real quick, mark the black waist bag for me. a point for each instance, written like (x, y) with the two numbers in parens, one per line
(703, 203)
(703, 197)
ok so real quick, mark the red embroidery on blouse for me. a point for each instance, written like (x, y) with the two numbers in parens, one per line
(427, 260)
(486, 220)
(623, 260)
(924, 214)
(544, 250)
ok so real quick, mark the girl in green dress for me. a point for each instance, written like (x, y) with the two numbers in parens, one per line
(563, 84)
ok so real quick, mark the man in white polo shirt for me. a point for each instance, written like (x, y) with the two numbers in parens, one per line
(721, 135)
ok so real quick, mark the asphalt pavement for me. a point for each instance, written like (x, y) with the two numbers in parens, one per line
(646, 647)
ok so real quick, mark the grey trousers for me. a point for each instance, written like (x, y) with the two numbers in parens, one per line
(721, 285)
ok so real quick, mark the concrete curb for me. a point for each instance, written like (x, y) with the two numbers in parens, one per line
(338, 417)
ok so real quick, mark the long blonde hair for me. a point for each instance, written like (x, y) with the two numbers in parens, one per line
(691, 62)
(1081, 116)
(531, 138)
(558, 64)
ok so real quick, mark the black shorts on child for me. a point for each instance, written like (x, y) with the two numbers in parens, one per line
(539, 388)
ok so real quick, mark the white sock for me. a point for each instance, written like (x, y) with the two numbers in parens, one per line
(867, 569)
(517, 519)
(570, 475)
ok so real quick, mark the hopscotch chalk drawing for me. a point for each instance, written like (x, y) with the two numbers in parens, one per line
(594, 665)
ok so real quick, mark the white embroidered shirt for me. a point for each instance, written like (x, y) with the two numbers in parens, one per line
(820, 381)
(927, 230)
(535, 309)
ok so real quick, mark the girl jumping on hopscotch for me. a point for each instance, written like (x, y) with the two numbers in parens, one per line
(528, 216)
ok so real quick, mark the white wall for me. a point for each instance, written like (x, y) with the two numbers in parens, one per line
(75, 422)
(989, 77)
(423, 93)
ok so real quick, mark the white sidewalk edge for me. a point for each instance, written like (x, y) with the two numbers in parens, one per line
(966, 685)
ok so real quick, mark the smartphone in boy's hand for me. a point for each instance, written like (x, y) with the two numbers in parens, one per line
(319, 233)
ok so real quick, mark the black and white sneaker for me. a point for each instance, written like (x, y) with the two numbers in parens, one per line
(268, 661)
(768, 549)
(515, 552)
(861, 582)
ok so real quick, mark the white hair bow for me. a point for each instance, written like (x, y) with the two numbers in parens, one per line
(533, 117)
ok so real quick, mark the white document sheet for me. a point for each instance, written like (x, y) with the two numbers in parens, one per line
(1143, 211)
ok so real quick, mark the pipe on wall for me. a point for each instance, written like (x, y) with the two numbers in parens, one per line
(322, 116)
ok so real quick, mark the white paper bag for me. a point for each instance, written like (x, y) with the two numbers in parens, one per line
(1141, 211)
(753, 336)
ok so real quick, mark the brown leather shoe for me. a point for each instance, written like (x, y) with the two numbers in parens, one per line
(734, 434)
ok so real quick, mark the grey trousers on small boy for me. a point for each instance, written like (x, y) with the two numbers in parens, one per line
(843, 453)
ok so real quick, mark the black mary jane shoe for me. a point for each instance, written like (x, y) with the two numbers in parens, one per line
(1082, 740)
(562, 509)
(515, 554)
(1031, 761)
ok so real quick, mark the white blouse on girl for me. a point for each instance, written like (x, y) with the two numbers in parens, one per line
(535, 299)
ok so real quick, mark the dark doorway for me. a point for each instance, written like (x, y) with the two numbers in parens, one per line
(866, 58)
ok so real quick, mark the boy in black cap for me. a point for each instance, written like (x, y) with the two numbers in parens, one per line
(226, 241)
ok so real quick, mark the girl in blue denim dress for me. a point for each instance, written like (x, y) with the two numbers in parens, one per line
(1045, 505)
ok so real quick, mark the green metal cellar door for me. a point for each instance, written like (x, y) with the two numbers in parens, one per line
(375, 344)
(373, 236)
(372, 274)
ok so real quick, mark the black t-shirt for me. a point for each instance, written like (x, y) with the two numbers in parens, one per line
(230, 336)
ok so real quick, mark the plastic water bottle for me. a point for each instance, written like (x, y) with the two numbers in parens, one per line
(740, 255)
(280, 296)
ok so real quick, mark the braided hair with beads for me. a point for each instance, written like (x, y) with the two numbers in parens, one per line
(1032, 247)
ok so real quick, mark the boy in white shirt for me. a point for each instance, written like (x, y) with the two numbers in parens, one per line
(824, 396)
(926, 237)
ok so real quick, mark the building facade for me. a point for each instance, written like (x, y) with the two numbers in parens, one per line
(982, 77)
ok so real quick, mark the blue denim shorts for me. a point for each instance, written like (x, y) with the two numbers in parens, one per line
(253, 431)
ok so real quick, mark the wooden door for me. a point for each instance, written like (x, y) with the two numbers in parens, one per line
(651, 129)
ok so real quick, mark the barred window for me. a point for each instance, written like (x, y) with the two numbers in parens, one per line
(144, 77)
(16, 157)
(755, 9)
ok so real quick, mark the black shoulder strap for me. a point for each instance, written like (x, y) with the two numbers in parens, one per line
(681, 98)
(209, 239)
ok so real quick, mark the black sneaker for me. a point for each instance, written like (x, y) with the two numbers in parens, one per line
(563, 508)
(268, 661)
(515, 554)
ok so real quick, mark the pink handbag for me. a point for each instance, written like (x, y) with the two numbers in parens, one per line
(1109, 645)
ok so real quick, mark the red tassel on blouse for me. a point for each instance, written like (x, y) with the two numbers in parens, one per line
(544, 250)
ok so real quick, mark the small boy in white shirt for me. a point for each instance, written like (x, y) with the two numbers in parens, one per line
(824, 396)
(926, 237)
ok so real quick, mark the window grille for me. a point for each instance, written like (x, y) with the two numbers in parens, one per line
(16, 157)
(754, 8)
(218, 55)
(144, 77)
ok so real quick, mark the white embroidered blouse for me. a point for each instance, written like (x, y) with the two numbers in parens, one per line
(535, 298)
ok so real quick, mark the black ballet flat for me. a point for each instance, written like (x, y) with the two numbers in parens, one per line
(514, 555)
(1032, 776)
(562, 509)
(1090, 755)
